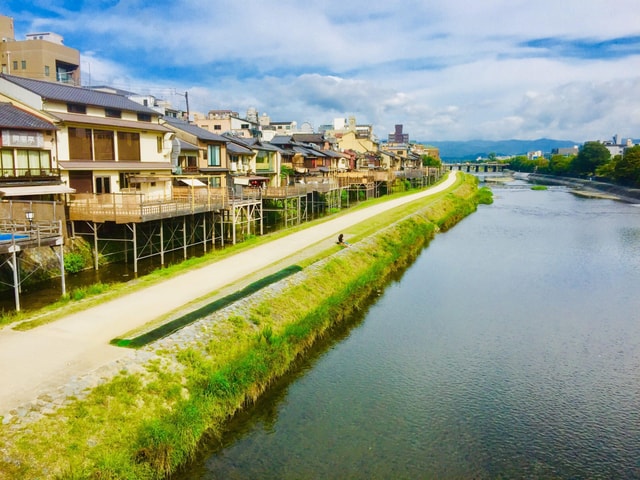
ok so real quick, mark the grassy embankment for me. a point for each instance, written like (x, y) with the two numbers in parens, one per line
(145, 425)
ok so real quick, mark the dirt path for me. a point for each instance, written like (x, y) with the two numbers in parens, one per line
(38, 361)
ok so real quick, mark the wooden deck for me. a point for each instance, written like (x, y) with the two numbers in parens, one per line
(137, 208)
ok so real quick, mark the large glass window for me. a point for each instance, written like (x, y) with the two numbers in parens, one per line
(7, 163)
(263, 161)
(128, 146)
(213, 155)
(22, 163)
(103, 141)
(44, 157)
(80, 147)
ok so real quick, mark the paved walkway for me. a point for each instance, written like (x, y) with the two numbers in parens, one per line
(38, 361)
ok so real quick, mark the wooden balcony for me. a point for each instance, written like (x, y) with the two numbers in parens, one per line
(27, 176)
(138, 208)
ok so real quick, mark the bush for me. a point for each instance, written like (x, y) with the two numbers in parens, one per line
(73, 262)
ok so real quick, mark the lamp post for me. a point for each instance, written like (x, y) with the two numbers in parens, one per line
(29, 216)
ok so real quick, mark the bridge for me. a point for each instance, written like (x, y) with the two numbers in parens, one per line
(477, 167)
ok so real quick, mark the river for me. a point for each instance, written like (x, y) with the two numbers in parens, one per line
(509, 349)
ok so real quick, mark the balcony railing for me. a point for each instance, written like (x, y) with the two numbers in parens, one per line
(17, 233)
(29, 174)
(138, 207)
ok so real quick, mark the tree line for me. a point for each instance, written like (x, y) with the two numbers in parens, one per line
(592, 160)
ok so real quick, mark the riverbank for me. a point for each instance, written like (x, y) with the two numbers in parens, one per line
(589, 188)
(149, 420)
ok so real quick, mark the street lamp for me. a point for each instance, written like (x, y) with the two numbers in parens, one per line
(29, 216)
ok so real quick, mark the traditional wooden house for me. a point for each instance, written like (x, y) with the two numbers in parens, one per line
(104, 143)
(31, 206)
(212, 161)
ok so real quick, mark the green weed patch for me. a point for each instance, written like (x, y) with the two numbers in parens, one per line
(175, 325)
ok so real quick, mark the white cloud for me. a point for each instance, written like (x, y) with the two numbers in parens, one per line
(445, 69)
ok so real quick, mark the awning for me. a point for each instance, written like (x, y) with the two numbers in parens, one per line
(116, 166)
(35, 190)
(147, 179)
(249, 180)
(193, 182)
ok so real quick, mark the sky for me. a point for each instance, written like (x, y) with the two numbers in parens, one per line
(444, 69)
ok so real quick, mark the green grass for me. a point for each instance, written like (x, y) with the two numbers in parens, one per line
(174, 325)
(539, 187)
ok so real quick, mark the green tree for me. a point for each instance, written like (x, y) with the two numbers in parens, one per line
(590, 157)
(429, 161)
(560, 164)
(607, 170)
(521, 163)
(627, 168)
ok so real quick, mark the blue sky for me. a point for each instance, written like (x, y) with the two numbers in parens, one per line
(446, 69)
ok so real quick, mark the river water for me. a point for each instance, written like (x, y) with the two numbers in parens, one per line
(509, 349)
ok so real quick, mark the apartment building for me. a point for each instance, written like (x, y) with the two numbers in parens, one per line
(41, 56)
(227, 121)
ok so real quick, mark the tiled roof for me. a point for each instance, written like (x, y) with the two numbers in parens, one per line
(194, 130)
(13, 117)
(281, 140)
(71, 94)
(308, 137)
(238, 149)
(187, 147)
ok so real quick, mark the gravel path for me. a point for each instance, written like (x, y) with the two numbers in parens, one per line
(39, 368)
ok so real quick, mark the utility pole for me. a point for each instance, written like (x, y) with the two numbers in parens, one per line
(186, 98)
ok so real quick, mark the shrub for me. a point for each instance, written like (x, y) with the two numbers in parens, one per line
(73, 262)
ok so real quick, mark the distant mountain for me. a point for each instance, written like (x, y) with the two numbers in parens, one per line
(472, 149)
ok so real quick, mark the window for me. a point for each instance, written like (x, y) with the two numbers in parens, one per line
(7, 163)
(128, 146)
(144, 117)
(217, 127)
(214, 182)
(244, 126)
(46, 70)
(22, 163)
(112, 113)
(39, 162)
(23, 64)
(80, 144)
(76, 108)
(263, 161)
(15, 65)
(159, 143)
(103, 185)
(103, 141)
(124, 180)
(213, 155)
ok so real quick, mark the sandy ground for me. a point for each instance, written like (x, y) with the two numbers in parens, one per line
(39, 361)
